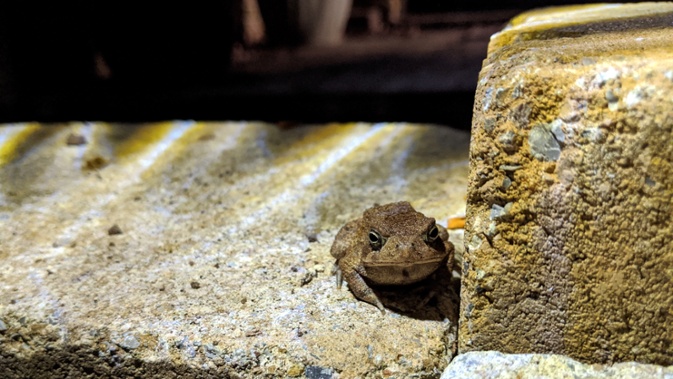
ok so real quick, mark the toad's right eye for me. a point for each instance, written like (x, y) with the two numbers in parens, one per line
(376, 240)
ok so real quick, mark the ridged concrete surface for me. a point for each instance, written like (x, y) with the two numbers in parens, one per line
(213, 273)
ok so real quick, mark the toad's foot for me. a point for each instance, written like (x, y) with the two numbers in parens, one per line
(359, 288)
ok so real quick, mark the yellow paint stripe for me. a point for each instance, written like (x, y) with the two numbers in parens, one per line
(12, 145)
(186, 139)
(142, 138)
(318, 140)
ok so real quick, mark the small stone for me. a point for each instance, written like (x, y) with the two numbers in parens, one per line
(474, 243)
(506, 182)
(312, 237)
(75, 139)
(129, 342)
(497, 212)
(319, 268)
(507, 141)
(488, 97)
(518, 91)
(388, 372)
(307, 278)
(492, 229)
(605, 76)
(468, 310)
(252, 332)
(114, 230)
(317, 372)
(557, 131)
(543, 145)
(635, 96)
(295, 370)
(508, 167)
(3, 326)
(195, 285)
(210, 351)
(594, 135)
(568, 114)
(489, 124)
(520, 115)
(95, 162)
(500, 96)
(182, 343)
(610, 96)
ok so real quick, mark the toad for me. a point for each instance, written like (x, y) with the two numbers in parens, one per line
(390, 244)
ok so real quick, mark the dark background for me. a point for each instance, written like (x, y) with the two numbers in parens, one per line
(117, 61)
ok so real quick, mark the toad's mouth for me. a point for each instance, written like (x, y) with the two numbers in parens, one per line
(403, 264)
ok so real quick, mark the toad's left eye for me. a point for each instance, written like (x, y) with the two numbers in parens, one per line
(433, 233)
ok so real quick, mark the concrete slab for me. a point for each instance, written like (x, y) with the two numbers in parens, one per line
(189, 249)
(570, 193)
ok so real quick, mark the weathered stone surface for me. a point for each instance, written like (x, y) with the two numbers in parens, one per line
(582, 261)
(222, 267)
(496, 365)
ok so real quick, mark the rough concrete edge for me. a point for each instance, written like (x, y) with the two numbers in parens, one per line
(543, 23)
(494, 364)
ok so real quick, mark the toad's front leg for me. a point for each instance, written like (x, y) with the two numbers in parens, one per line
(357, 285)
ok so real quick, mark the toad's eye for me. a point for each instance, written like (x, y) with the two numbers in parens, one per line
(376, 240)
(433, 233)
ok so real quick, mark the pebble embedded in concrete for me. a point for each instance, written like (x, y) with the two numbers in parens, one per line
(507, 141)
(129, 342)
(543, 145)
(498, 212)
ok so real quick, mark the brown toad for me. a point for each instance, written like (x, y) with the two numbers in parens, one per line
(391, 244)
